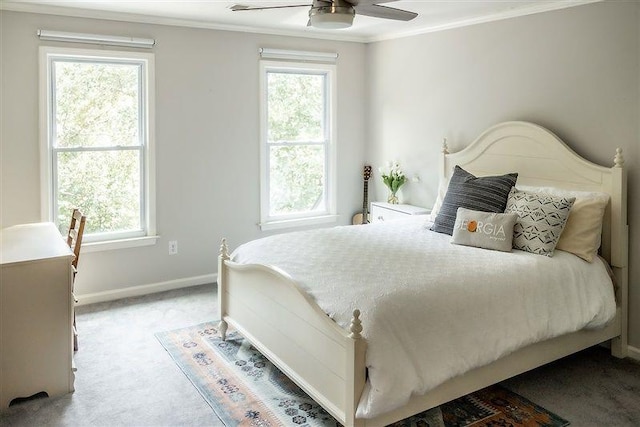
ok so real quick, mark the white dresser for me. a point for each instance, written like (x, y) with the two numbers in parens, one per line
(36, 313)
(381, 211)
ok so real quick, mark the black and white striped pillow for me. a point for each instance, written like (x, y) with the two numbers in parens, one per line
(486, 194)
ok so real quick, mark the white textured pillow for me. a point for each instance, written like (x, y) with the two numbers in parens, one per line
(541, 219)
(442, 191)
(583, 232)
(484, 229)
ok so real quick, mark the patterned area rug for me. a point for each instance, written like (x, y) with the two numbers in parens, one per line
(245, 389)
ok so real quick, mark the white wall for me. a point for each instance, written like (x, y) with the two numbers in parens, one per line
(207, 141)
(574, 71)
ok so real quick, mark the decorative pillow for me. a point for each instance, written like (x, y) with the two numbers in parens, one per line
(541, 219)
(583, 232)
(486, 194)
(484, 229)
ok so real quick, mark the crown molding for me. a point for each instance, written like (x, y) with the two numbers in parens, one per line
(514, 13)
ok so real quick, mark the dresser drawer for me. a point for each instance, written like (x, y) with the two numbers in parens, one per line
(388, 212)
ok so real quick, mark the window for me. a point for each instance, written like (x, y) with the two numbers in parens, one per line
(298, 139)
(97, 142)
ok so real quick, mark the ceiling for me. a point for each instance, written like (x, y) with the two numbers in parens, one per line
(432, 15)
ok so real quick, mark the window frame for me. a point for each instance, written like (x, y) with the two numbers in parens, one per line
(267, 221)
(48, 153)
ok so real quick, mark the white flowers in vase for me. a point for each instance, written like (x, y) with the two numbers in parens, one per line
(393, 178)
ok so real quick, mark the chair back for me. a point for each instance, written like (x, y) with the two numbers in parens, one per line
(74, 238)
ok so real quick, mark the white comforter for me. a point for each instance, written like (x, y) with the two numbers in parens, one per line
(432, 310)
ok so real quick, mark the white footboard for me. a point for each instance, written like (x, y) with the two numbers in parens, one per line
(269, 309)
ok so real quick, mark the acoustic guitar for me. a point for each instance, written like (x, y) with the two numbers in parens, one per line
(363, 217)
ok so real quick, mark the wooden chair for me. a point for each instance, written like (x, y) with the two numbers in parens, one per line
(74, 240)
(74, 237)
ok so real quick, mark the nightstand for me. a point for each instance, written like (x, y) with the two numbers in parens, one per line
(381, 211)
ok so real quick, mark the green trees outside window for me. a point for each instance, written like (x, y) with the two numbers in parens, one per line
(297, 138)
(97, 141)
(97, 144)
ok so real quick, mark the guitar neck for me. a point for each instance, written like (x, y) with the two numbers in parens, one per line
(365, 203)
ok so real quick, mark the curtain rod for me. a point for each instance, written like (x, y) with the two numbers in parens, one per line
(63, 36)
(299, 55)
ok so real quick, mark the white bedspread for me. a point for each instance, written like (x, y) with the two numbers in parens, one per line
(432, 310)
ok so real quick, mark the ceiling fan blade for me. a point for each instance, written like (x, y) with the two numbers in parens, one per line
(240, 7)
(385, 12)
(369, 2)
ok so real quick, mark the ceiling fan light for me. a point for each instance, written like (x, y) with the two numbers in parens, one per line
(331, 18)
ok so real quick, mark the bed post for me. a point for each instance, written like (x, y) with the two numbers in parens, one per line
(356, 374)
(620, 250)
(442, 170)
(222, 288)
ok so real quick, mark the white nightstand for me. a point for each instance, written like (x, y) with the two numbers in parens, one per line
(381, 211)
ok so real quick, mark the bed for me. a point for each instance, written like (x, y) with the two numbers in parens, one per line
(283, 321)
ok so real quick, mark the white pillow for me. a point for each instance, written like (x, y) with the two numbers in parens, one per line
(488, 230)
(583, 232)
(442, 191)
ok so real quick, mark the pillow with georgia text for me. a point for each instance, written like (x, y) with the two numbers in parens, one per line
(484, 229)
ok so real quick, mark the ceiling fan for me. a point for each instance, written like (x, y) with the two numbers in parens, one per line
(335, 14)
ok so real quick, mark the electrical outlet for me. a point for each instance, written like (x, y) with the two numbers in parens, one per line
(173, 247)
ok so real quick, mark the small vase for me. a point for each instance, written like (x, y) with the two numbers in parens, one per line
(393, 199)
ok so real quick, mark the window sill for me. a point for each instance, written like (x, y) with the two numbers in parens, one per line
(119, 244)
(298, 222)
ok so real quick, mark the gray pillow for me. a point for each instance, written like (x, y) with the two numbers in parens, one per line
(486, 194)
(484, 229)
(541, 219)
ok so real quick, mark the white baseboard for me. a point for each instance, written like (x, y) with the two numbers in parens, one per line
(134, 291)
(634, 353)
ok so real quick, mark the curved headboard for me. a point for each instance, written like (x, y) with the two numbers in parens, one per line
(542, 159)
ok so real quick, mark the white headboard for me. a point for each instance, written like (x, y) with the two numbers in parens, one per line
(540, 158)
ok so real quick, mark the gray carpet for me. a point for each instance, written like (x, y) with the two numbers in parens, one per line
(125, 377)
